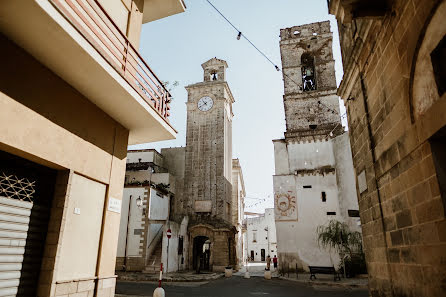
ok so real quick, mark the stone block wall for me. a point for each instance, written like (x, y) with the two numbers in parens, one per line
(400, 201)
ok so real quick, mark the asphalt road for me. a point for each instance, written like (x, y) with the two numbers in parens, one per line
(238, 286)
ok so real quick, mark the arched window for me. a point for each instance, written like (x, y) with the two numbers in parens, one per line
(308, 73)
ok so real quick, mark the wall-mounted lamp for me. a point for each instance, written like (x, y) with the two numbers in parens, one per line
(139, 202)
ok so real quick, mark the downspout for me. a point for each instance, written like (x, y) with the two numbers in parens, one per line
(127, 234)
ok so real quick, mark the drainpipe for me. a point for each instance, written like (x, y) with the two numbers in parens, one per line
(127, 234)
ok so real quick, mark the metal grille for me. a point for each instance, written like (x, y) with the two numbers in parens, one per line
(14, 187)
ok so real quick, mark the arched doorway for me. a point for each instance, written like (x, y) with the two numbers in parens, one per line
(201, 253)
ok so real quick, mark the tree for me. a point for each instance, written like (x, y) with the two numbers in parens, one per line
(338, 236)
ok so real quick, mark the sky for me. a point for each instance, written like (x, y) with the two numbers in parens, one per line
(176, 46)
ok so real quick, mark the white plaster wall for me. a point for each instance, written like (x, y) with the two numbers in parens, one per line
(310, 155)
(346, 180)
(136, 217)
(171, 250)
(158, 206)
(258, 225)
(281, 157)
(133, 157)
(299, 237)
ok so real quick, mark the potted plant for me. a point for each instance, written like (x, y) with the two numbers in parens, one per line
(228, 271)
(267, 273)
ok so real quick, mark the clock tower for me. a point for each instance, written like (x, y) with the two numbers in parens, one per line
(206, 198)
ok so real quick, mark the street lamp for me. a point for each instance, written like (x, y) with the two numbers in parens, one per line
(138, 202)
(267, 238)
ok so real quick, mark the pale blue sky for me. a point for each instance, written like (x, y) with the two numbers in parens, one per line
(175, 48)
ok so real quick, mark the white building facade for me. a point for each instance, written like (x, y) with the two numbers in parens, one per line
(314, 176)
(261, 236)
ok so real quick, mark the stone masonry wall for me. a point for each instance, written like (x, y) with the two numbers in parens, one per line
(402, 212)
(318, 107)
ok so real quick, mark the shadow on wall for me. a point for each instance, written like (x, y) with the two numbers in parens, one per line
(27, 81)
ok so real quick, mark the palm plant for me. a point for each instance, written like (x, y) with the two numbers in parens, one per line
(338, 236)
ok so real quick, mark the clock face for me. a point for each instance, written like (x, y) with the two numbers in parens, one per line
(205, 103)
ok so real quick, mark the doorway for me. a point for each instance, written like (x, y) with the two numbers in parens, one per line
(438, 149)
(262, 254)
(252, 255)
(201, 254)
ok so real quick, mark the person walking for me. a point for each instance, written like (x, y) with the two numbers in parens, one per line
(275, 262)
(268, 262)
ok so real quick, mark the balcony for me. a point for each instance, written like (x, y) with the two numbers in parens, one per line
(157, 9)
(347, 10)
(81, 43)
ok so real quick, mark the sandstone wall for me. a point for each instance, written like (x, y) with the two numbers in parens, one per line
(396, 116)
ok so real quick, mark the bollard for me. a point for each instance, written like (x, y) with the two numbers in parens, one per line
(159, 292)
(247, 271)
(267, 274)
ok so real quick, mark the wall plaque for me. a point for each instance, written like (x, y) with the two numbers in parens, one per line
(114, 205)
(203, 206)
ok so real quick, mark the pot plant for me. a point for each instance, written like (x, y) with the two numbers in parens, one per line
(228, 271)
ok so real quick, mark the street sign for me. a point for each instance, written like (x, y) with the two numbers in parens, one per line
(169, 233)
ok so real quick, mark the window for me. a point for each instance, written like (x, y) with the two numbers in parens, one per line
(331, 213)
(353, 213)
(324, 197)
(438, 58)
(307, 187)
(254, 236)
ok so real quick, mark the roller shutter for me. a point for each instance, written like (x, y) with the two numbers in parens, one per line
(23, 227)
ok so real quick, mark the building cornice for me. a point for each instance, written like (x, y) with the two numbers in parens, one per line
(210, 84)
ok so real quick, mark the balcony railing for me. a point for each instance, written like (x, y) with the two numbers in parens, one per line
(98, 28)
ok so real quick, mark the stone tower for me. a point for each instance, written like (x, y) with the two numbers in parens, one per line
(206, 198)
(314, 181)
(310, 100)
(208, 161)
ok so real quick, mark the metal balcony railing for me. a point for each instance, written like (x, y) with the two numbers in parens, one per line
(99, 29)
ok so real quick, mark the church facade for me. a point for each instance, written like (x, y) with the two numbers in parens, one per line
(314, 178)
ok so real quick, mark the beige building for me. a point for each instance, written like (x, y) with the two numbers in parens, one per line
(74, 93)
(394, 90)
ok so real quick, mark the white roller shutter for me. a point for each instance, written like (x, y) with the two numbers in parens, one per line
(14, 226)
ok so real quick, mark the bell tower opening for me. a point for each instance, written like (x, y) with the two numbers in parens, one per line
(308, 74)
(214, 70)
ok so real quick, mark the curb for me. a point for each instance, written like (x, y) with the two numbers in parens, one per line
(170, 280)
(327, 283)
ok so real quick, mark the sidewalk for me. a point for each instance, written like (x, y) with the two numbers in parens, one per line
(186, 276)
(327, 280)
(255, 269)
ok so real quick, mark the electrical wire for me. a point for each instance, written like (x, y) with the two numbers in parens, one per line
(267, 58)
(240, 34)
